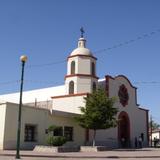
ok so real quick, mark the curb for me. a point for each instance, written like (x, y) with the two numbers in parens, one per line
(61, 156)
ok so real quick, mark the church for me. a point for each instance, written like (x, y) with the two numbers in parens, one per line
(59, 105)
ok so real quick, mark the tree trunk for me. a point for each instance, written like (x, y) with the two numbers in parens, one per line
(94, 138)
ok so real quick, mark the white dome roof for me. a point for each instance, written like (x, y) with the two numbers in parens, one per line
(81, 51)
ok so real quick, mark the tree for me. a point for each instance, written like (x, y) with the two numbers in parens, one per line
(154, 125)
(98, 112)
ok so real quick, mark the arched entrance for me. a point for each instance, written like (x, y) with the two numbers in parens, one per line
(123, 130)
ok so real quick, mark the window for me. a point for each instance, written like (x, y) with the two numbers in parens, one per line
(30, 133)
(58, 131)
(68, 133)
(93, 69)
(73, 67)
(71, 87)
(94, 86)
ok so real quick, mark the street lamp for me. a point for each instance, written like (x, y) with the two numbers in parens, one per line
(23, 60)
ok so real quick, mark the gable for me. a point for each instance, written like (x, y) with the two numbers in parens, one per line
(121, 88)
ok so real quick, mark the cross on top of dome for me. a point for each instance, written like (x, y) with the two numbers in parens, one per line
(82, 32)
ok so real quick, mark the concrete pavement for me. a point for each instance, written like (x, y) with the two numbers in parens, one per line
(145, 153)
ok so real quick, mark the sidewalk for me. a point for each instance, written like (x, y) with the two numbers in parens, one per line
(138, 153)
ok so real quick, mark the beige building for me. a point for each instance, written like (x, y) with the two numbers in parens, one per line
(58, 105)
(34, 124)
(156, 134)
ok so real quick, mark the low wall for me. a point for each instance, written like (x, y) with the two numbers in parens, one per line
(56, 149)
(93, 148)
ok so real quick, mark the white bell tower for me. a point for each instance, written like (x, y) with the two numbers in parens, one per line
(81, 70)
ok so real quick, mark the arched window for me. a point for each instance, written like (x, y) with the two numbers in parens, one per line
(71, 87)
(73, 67)
(93, 68)
(94, 87)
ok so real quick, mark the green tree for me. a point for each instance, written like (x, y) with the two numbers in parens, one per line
(98, 112)
(154, 125)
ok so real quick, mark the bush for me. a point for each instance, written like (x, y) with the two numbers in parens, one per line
(56, 141)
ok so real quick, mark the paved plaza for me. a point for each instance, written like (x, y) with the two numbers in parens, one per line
(142, 154)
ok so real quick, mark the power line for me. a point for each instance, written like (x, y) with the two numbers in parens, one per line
(141, 37)
(59, 83)
(46, 64)
(55, 84)
(43, 82)
(9, 82)
(147, 82)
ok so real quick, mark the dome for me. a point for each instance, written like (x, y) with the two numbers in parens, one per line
(81, 50)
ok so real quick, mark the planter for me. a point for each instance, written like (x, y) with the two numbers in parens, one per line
(93, 148)
(53, 149)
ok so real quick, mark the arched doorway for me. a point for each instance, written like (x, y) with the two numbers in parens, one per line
(123, 130)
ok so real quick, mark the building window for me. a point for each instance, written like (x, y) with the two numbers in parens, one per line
(94, 87)
(73, 67)
(58, 131)
(71, 87)
(68, 133)
(30, 133)
(93, 69)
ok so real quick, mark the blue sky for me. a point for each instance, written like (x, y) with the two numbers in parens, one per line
(48, 30)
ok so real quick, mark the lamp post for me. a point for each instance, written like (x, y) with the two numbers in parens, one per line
(23, 60)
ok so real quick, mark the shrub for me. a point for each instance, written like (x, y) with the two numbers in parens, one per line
(56, 141)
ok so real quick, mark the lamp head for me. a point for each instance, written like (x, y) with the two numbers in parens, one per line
(23, 58)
